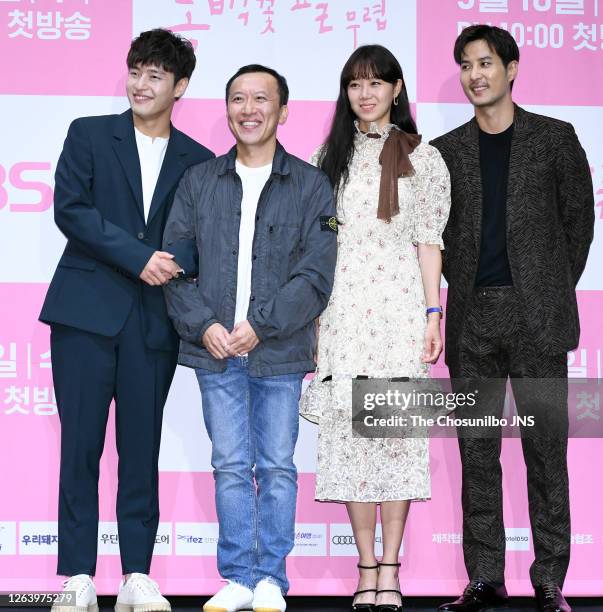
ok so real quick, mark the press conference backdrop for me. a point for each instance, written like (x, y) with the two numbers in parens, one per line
(62, 59)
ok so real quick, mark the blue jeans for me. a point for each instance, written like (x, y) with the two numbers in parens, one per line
(253, 422)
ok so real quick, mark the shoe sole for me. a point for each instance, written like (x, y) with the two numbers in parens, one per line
(90, 608)
(221, 609)
(248, 607)
(150, 607)
(266, 610)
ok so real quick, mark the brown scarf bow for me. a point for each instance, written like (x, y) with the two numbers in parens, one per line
(395, 163)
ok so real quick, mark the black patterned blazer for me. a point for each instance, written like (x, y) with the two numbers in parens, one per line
(549, 219)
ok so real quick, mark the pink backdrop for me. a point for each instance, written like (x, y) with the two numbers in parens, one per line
(71, 63)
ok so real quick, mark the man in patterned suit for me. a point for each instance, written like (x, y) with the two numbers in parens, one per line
(516, 242)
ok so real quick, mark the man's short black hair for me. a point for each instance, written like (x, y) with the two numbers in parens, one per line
(164, 49)
(497, 39)
(281, 81)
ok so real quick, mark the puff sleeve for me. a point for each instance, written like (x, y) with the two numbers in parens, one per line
(432, 196)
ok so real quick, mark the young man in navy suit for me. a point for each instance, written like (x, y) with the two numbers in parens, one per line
(110, 334)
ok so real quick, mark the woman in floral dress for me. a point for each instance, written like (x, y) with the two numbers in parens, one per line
(393, 198)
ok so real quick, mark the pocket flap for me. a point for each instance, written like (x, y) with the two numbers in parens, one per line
(75, 261)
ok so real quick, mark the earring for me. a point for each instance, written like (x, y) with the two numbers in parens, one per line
(395, 100)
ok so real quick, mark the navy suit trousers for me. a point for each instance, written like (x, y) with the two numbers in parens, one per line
(89, 372)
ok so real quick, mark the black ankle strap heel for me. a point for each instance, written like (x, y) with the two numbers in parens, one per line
(365, 607)
(389, 607)
(379, 563)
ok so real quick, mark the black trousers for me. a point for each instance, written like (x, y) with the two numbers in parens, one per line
(495, 345)
(89, 371)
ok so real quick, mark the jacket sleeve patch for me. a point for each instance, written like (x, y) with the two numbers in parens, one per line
(328, 224)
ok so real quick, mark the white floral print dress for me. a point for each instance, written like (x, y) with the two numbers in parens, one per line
(374, 324)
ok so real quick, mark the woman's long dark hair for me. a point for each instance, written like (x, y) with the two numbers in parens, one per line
(367, 62)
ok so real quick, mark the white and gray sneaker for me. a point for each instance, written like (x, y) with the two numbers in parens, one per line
(230, 598)
(140, 594)
(267, 597)
(85, 595)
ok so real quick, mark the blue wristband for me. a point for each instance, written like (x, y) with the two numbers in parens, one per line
(435, 309)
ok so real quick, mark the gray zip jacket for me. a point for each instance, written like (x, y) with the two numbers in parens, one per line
(293, 261)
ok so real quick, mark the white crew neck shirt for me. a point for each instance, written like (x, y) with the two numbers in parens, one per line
(253, 180)
(151, 152)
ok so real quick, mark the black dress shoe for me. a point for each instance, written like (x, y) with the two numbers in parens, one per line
(550, 599)
(478, 596)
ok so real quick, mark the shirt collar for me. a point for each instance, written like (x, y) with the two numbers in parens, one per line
(374, 129)
(148, 140)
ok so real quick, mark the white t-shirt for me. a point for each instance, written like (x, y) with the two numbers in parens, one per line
(253, 180)
(151, 152)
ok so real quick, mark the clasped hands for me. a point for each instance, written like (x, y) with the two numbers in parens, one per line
(160, 269)
(222, 344)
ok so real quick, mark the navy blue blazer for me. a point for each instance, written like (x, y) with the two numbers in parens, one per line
(98, 206)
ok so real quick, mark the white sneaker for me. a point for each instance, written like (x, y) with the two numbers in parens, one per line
(267, 597)
(140, 594)
(230, 598)
(85, 595)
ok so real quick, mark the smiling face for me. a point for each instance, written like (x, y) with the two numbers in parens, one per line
(254, 110)
(484, 78)
(152, 92)
(371, 100)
